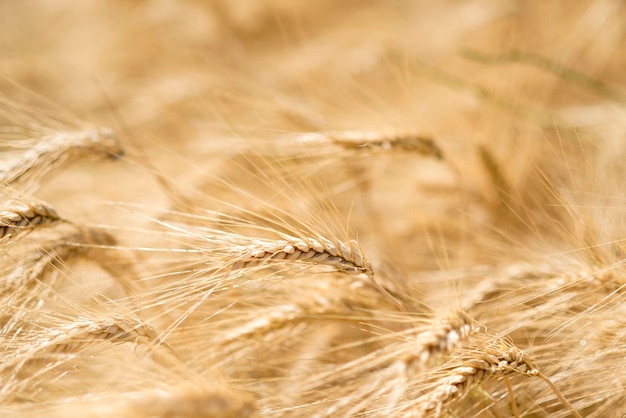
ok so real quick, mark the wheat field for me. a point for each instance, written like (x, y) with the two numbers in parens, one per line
(271, 208)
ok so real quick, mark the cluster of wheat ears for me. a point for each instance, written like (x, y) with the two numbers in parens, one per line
(316, 209)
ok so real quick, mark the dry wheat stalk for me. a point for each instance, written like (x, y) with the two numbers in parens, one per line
(22, 215)
(375, 141)
(347, 259)
(52, 151)
(489, 359)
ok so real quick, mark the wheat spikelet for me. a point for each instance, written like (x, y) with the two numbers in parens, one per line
(52, 151)
(19, 216)
(278, 318)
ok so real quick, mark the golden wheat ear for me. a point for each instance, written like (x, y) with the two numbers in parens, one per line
(29, 160)
(321, 251)
(379, 383)
(72, 337)
(488, 359)
(46, 347)
(20, 216)
(377, 141)
(86, 243)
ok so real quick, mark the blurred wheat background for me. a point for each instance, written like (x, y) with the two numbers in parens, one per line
(277, 208)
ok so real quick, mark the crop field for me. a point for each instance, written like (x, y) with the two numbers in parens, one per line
(278, 208)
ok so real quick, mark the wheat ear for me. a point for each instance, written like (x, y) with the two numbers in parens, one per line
(117, 329)
(375, 141)
(80, 244)
(497, 359)
(19, 216)
(491, 362)
(384, 388)
(347, 259)
(501, 186)
(70, 338)
(440, 338)
(52, 151)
